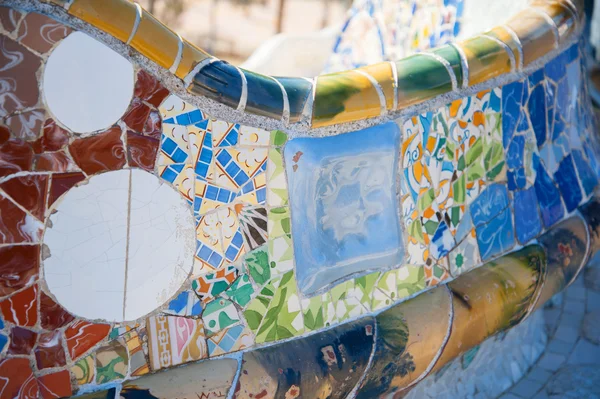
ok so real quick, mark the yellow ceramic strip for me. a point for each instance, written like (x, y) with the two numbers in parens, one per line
(344, 97)
(486, 59)
(383, 73)
(563, 17)
(448, 67)
(550, 22)
(136, 24)
(156, 41)
(375, 84)
(509, 51)
(115, 17)
(510, 39)
(535, 33)
(177, 61)
(190, 57)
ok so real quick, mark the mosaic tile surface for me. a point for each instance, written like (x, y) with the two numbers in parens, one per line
(288, 235)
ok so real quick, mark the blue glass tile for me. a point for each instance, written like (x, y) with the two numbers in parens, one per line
(548, 196)
(203, 124)
(211, 192)
(207, 140)
(204, 252)
(566, 178)
(179, 156)
(528, 223)
(442, 241)
(223, 196)
(516, 179)
(586, 175)
(169, 175)
(512, 96)
(180, 302)
(555, 69)
(496, 237)
(464, 226)
(183, 119)
(514, 153)
(489, 203)
(524, 124)
(223, 157)
(168, 145)
(215, 260)
(195, 116)
(232, 169)
(261, 195)
(237, 240)
(241, 178)
(231, 253)
(1, 323)
(170, 120)
(202, 169)
(232, 137)
(537, 113)
(248, 187)
(196, 309)
(572, 52)
(536, 77)
(264, 95)
(219, 81)
(206, 155)
(3, 341)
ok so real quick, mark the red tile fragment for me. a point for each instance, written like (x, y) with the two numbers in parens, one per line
(53, 137)
(54, 162)
(9, 18)
(99, 153)
(26, 125)
(49, 351)
(17, 226)
(29, 192)
(15, 156)
(21, 308)
(141, 150)
(19, 265)
(17, 77)
(136, 116)
(40, 32)
(153, 126)
(17, 380)
(4, 134)
(148, 89)
(52, 315)
(55, 385)
(61, 183)
(22, 341)
(82, 335)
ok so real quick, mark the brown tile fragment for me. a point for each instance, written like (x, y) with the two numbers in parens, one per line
(19, 265)
(40, 32)
(26, 125)
(136, 116)
(17, 77)
(54, 162)
(49, 351)
(18, 379)
(9, 18)
(148, 89)
(55, 385)
(99, 153)
(153, 126)
(61, 183)
(53, 137)
(52, 315)
(17, 226)
(15, 156)
(141, 150)
(22, 341)
(29, 192)
(82, 335)
(4, 134)
(21, 308)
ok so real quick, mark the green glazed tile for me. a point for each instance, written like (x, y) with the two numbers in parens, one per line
(279, 222)
(219, 314)
(241, 291)
(486, 59)
(450, 54)
(420, 78)
(278, 138)
(257, 265)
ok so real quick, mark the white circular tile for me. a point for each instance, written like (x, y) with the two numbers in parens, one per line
(87, 85)
(120, 246)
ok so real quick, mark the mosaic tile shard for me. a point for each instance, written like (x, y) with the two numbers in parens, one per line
(346, 213)
(289, 368)
(112, 362)
(81, 336)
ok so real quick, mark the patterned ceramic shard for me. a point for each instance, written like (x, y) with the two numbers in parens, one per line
(344, 208)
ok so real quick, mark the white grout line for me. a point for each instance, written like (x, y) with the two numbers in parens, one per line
(136, 24)
(511, 55)
(285, 117)
(177, 60)
(551, 22)
(190, 76)
(464, 64)
(519, 45)
(448, 67)
(395, 77)
(382, 101)
(244, 96)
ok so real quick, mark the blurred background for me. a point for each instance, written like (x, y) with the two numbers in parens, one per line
(235, 28)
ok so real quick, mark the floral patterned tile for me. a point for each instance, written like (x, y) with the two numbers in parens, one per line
(219, 314)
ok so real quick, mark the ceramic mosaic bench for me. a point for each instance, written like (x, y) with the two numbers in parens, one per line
(360, 234)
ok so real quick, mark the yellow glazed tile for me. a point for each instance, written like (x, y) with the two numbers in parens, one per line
(115, 17)
(535, 33)
(190, 57)
(486, 59)
(156, 41)
(502, 34)
(382, 72)
(562, 16)
(344, 97)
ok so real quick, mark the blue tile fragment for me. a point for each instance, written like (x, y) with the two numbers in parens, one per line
(528, 223)
(551, 206)
(496, 237)
(537, 112)
(567, 181)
